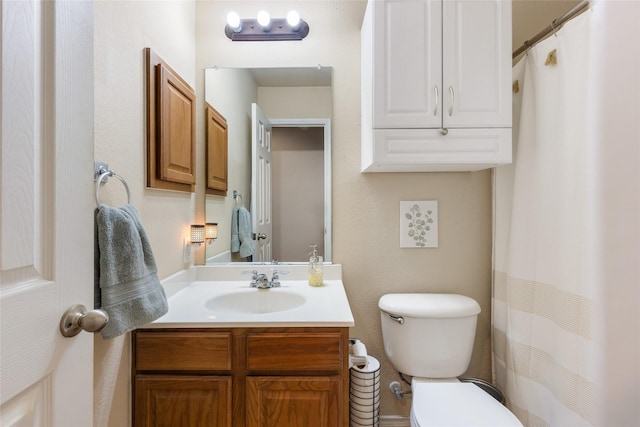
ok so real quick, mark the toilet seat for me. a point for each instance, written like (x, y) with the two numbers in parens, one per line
(456, 404)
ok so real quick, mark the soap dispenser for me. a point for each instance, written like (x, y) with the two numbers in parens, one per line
(315, 267)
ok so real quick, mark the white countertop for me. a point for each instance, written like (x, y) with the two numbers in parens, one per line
(190, 296)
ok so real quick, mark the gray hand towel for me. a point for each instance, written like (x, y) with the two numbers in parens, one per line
(235, 238)
(241, 234)
(244, 232)
(127, 285)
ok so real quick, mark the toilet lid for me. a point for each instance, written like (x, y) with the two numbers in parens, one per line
(457, 404)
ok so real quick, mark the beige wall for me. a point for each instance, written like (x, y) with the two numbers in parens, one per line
(231, 92)
(298, 192)
(366, 207)
(531, 16)
(189, 36)
(122, 30)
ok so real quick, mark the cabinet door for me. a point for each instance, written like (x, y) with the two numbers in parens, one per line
(476, 63)
(407, 65)
(295, 402)
(175, 400)
(217, 148)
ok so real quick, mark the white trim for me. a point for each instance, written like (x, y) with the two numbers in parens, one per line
(220, 258)
(326, 124)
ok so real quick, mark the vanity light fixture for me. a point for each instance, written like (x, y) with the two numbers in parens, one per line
(265, 28)
(196, 238)
(197, 234)
(211, 231)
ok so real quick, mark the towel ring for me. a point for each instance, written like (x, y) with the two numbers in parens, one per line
(105, 173)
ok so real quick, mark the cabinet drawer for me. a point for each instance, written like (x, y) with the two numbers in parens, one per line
(427, 150)
(295, 351)
(182, 351)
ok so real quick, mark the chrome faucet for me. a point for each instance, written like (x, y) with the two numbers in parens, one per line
(275, 279)
(261, 280)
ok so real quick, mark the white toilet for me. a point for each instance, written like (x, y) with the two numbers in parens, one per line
(430, 338)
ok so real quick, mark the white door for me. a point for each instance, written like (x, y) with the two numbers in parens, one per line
(46, 221)
(261, 183)
(476, 63)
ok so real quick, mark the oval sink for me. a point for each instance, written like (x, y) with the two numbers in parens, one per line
(255, 302)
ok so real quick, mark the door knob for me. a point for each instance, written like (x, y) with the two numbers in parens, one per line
(262, 236)
(77, 319)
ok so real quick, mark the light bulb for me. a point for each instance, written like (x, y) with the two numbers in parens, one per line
(233, 21)
(264, 19)
(293, 18)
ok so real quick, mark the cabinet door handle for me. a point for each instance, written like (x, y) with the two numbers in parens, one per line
(435, 91)
(453, 100)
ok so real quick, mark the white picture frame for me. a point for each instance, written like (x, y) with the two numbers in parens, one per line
(419, 224)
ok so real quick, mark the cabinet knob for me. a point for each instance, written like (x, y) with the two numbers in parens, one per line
(444, 131)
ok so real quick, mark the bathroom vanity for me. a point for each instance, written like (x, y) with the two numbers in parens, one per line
(227, 354)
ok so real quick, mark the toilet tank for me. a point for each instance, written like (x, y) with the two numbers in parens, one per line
(429, 335)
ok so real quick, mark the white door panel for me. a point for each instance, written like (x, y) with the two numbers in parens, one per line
(476, 77)
(408, 64)
(261, 184)
(46, 221)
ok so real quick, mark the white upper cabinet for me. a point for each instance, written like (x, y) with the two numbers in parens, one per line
(436, 70)
(407, 64)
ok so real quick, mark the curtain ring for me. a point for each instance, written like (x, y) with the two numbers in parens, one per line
(554, 28)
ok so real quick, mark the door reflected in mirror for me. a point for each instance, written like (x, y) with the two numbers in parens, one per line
(287, 194)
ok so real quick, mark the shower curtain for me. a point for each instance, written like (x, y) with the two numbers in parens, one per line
(558, 218)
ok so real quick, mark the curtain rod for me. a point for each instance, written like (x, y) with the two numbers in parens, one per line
(555, 24)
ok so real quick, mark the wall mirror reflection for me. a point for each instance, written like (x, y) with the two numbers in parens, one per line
(278, 201)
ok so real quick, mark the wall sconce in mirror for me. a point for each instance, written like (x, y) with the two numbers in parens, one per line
(265, 28)
(211, 231)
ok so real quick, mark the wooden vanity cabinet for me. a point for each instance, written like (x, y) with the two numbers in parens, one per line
(182, 379)
(241, 377)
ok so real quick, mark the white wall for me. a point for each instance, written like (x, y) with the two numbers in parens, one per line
(231, 92)
(298, 192)
(189, 36)
(616, 53)
(122, 30)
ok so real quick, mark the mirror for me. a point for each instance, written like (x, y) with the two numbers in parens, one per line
(298, 104)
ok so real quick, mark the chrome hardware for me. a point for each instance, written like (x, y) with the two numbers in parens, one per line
(435, 90)
(101, 173)
(77, 319)
(398, 319)
(453, 100)
(254, 277)
(444, 131)
(396, 388)
(261, 280)
(275, 279)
